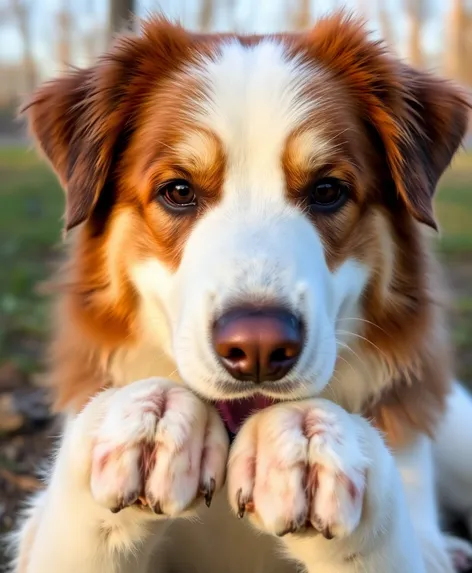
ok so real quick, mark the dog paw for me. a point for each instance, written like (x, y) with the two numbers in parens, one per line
(299, 466)
(460, 551)
(157, 445)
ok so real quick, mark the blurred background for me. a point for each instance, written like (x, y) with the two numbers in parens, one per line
(42, 38)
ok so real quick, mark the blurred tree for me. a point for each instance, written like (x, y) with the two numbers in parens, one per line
(206, 15)
(416, 14)
(64, 35)
(300, 16)
(21, 13)
(455, 51)
(468, 46)
(385, 24)
(120, 15)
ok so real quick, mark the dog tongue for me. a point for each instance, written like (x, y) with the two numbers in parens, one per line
(234, 412)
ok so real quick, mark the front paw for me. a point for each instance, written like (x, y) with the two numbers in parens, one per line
(298, 467)
(157, 445)
(460, 552)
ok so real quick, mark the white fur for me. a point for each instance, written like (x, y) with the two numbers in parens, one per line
(252, 247)
(453, 449)
(356, 495)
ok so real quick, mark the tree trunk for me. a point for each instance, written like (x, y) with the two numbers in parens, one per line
(21, 12)
(415, 12)
(386, 25)
(206, 15)
(64, 35)
(120, 15)
(301, 15)
(467, 69)
(455, 44)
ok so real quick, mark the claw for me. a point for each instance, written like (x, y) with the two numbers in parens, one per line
(292, 528)
(322, 528)
(241, 504)
(244, 505)
(327, 533)
(130, 499)
(295, 526)
(208, 492)
(126, 501)
(156, 507)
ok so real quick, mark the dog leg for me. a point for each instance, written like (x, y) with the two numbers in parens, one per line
(324, 481)
(452, 449)
(131, 460)
(416, 466)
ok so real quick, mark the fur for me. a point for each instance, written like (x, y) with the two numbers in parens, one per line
(251, 122)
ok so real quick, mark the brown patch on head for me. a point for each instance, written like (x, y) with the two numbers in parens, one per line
(337, 151)
(82, 121)
(419, 120)
(186, 152)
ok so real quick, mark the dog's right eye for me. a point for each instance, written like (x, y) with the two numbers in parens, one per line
(178, 194)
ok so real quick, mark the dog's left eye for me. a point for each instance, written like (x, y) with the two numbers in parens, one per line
(178, 194)
(328, 194)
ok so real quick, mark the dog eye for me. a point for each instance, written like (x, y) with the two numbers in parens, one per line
(178, 194)
(328, 194)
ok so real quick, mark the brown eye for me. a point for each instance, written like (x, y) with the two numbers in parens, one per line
(178, 194)
(328, 195)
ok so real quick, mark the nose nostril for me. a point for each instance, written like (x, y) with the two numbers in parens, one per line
(235, 355)
(280, 355)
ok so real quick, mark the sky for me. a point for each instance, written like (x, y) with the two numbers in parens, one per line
(252, 16)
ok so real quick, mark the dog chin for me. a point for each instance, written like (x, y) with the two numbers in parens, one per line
(237, 400)
(235, 408)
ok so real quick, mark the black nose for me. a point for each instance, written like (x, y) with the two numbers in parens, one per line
(258, 345)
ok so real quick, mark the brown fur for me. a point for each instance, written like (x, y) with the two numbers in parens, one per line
(111, 133)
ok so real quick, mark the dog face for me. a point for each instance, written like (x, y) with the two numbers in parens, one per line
(252, 206)
(258, 189)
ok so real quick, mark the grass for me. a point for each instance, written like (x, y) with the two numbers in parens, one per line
(454, 207)
(31, 205)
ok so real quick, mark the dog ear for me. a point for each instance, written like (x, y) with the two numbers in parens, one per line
(419, 119)
(81, 121)
(76, 121)
(431, 122)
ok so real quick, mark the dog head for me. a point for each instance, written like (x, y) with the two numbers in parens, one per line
(253, 206)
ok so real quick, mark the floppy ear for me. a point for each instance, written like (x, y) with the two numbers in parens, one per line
(81, 121)
(77, 120)
(420, 119)
(431, 122)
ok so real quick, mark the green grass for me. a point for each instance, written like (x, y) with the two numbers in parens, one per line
(454, 207)
(31, 205)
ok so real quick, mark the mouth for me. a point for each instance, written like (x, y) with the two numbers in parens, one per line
(235, 412)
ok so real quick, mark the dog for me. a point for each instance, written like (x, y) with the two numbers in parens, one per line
(249, 260)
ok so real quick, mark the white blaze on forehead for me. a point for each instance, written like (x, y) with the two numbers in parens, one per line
(254, 100)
